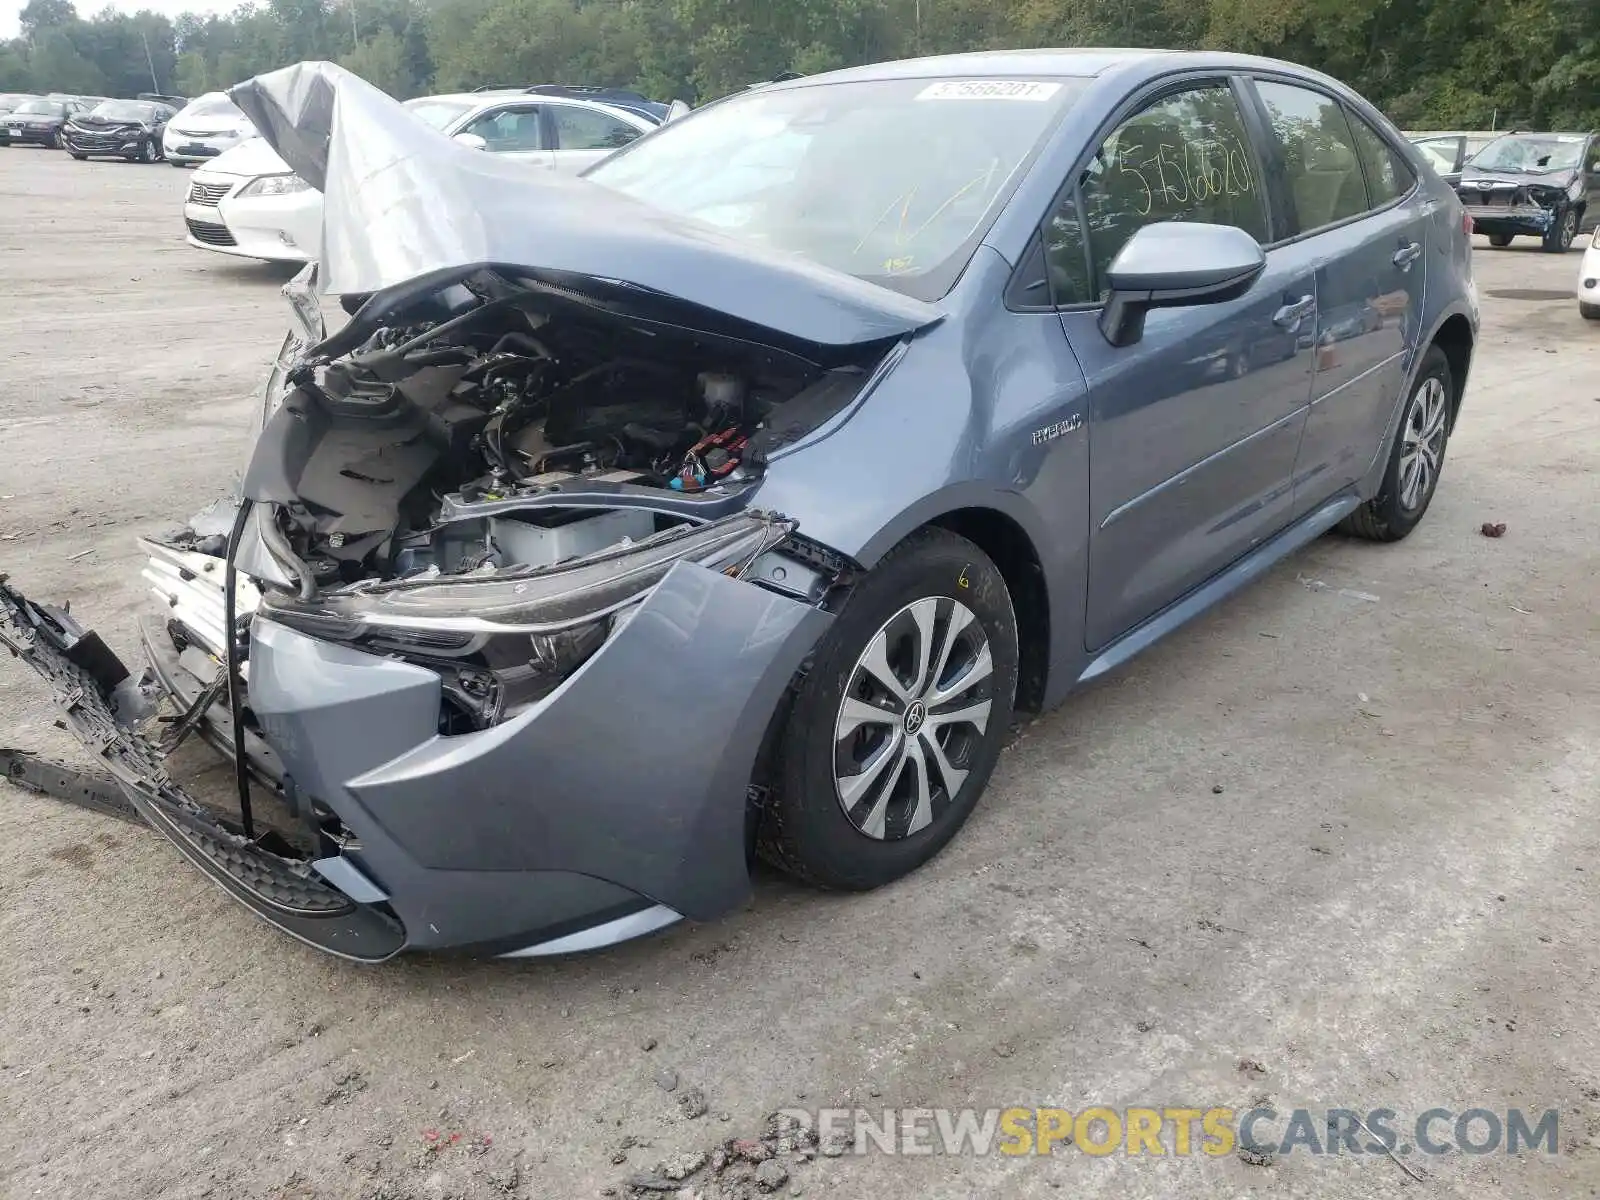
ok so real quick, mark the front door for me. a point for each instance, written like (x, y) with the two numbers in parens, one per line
(514, 130)
(1193, 429)
(1364, 228)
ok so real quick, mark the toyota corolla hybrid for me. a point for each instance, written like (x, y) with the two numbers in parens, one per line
(249, 203)
(730, 499)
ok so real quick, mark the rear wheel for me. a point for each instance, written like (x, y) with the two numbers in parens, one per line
(899, 720)
(1415, 460)
(1558, 238)
(1500, 239)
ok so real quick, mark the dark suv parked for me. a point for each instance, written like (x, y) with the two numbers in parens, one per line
(1543, 185)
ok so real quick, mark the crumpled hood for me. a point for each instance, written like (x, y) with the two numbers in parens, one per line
(401, 200)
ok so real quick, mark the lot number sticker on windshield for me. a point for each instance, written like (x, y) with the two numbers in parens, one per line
(989, 89)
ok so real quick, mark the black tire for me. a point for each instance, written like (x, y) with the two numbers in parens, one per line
(1589, 312)
(1501, 240)
(1390, 516)
(1558, 238)
(805, 829)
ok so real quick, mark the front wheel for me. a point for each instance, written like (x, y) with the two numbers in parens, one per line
(899, 721)
(1558, 238)
(147, 153)
(1415, 460)
(1502, 240)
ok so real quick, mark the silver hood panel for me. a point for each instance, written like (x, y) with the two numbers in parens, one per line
(402, 200)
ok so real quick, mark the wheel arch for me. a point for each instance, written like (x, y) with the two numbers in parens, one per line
(1456, 339)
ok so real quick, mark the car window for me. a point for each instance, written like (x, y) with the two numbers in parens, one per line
(589, 129)
(1319, 154)
(1388, 177)
(1442, 153)
(1184, 158)
(508, 130)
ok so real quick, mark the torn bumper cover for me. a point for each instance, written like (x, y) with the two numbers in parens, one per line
(560, 829)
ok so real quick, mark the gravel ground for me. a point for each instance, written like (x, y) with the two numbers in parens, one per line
(1320, 848)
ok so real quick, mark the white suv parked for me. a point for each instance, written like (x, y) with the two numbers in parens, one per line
(247, 202)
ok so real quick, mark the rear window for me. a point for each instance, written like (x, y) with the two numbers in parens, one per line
(438, 113)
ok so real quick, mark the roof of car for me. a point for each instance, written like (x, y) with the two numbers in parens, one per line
(490, 99)
(1072, 61)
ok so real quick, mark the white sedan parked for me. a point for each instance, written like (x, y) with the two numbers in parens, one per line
(208, 127)
(248, 203)
(1589, 279)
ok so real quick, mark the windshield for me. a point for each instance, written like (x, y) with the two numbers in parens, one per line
(43, 108)
(894, 181)
(1535, 153)
(438, 113)
(124, 110)
(214, 106)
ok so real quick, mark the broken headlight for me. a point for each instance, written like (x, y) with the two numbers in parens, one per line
(502, 639)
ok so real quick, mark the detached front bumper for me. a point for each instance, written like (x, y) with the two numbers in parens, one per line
(614, 806)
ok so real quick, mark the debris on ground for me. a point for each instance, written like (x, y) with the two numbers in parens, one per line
(1255, 1156)
(1493, 529)
(692, 1103)
(743, 1168)
(667, 1079)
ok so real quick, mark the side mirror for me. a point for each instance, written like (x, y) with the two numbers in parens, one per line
(1173, 264)
(472, 141)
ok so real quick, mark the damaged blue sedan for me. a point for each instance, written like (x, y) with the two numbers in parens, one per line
(731, 500)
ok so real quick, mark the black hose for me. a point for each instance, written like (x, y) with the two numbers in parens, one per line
(230, 664)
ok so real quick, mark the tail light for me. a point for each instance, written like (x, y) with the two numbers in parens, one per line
(1466, 223)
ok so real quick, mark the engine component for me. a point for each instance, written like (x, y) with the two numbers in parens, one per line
(544, 538)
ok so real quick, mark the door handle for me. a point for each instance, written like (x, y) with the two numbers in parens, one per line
(1407, 254)
(1295, 311)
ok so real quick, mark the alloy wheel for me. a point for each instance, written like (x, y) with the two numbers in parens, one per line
(1569, 228)
(1422, 448)
(912, 717)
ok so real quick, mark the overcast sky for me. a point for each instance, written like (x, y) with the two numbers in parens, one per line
(87, 8)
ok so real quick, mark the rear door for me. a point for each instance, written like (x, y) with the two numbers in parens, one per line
(1193, 429)
(514, 130)
(1361, 223)
(581, 135)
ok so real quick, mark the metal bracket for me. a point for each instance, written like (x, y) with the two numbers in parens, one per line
(59, 781)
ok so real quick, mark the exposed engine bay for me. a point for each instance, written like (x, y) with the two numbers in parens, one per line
(504, 423)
